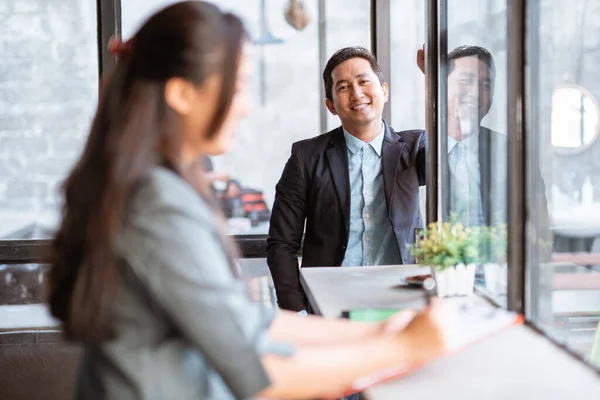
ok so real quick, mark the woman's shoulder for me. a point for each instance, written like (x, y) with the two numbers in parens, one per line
(162, 191)
(164, 212)
(164, 206)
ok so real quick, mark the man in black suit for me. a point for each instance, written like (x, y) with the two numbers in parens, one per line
(356, 188)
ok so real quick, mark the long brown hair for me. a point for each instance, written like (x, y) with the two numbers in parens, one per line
(190, 40)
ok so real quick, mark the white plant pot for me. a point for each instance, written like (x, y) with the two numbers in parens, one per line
(455, 281)
(496, 278)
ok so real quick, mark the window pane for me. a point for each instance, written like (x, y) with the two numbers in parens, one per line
(564, 267)
(348, 23)
(475, 191)
(48, 86)
(407, 88)
(407, 30)
(287, 91)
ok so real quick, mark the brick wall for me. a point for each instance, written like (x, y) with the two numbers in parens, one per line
(48, 89)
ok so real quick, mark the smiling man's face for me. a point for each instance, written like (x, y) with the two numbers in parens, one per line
(470, 91)
(358, 95)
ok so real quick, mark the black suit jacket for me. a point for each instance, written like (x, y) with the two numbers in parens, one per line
(314, 188)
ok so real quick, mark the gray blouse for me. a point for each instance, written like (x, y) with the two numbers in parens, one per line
(186, 328)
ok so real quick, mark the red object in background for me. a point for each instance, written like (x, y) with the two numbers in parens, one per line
(254, 206)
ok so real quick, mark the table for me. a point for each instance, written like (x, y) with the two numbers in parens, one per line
(515, 364)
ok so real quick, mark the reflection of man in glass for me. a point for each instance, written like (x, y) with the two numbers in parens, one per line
(477, 183)
(471, 73)
(477, 155)
(470, 90)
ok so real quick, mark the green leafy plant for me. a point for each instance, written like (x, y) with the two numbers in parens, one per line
(443, 245)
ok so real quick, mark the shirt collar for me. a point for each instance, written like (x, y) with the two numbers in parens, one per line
(354, 144)
(471, 143)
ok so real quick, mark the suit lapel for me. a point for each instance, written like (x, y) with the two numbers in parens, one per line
(337, 157)
(391, 154)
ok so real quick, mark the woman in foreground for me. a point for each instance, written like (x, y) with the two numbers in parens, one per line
(143, 275)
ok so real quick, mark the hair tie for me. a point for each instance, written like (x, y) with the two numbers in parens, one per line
(117, 47)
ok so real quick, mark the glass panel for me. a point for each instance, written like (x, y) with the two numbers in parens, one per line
(564, 266)
(260, 283)
(48, 86)
(475, 191)
(407, 30)
(287, 91)
(341, 14)
(407, 89)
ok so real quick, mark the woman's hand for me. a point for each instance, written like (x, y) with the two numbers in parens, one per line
(397, 322)
(429, 334)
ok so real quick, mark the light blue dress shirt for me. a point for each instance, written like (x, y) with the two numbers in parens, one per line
(465, 178)
(371, 240)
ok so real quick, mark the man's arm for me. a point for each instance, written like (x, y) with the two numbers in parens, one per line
(285, 234)
(422, 149)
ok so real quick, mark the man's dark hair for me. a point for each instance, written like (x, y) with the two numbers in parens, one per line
(472, 51)
(346, 54)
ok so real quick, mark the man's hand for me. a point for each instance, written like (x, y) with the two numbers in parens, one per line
(421, 59)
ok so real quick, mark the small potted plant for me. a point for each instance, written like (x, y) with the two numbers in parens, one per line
(452, 251)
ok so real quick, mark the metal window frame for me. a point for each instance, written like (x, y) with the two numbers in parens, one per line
(517, 154)
(381, 46)
(533, 278)
(24, 251)
(436, 53)
(108, 14)
(39, 251)
(322, 38)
